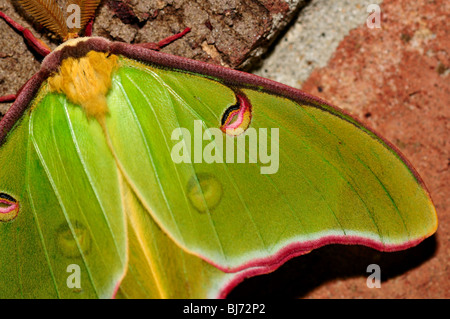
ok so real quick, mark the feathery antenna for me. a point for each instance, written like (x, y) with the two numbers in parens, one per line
(49, 14)
(87, 8)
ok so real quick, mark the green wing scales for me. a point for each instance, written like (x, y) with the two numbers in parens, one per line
(109, 197)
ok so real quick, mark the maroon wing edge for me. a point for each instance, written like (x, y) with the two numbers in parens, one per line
(233, 78)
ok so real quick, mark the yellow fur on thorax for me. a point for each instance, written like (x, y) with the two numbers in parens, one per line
(86, 81)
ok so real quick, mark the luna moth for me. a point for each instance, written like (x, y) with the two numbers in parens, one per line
(129, 173)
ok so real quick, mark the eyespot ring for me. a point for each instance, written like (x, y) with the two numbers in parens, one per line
(236, 118)
(9, 208)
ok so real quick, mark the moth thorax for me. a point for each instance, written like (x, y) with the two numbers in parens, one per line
(86, 81)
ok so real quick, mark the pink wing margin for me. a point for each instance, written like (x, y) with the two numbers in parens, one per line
(234, 78)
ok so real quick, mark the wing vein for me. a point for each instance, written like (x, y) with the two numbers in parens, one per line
(372, 172)
(33, 208)
(192, 111)
(175, 167)
(150, 156)
(370, 214)
(89, 177)
(58, 196)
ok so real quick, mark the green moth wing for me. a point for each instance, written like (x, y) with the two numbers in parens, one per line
(333, 183)
(196, 178)
(63, 220)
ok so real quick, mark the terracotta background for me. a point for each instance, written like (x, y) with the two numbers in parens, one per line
(395, 79)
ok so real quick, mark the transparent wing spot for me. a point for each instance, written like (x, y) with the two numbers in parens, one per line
(204, 191)
(67, 244)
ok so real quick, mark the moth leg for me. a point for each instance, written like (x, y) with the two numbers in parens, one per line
(158, 46)
(8, 98)
(40, 47)
(88, 29)
(173, 38)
